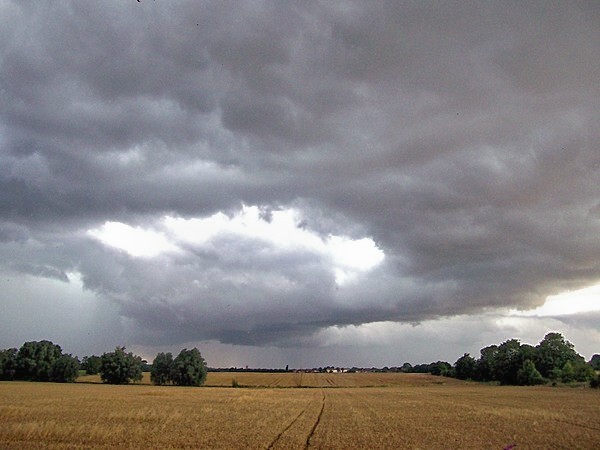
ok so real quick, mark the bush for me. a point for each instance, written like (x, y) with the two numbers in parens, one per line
(567, 374)
(584, 372)
(578, 371)
(65, 369)
(528, 375)
(119, 367)
(189, 368)
(595, 382)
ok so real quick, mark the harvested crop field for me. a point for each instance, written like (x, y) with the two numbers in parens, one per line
(307, 380)
(324, 380)
(397, 411)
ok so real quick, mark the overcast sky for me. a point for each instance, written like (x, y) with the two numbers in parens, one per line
(302, 183)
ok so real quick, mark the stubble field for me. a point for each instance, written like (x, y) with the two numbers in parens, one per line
(329, 411)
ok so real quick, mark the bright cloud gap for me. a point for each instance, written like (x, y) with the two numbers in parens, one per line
(280, 231)
(566, 303)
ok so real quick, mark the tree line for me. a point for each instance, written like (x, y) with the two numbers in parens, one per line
(38, 361)
(45, 361)
(554, 359)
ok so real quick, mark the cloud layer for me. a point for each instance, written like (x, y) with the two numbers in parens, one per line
(257, 174)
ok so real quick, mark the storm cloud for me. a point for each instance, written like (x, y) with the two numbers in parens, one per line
(266, 173)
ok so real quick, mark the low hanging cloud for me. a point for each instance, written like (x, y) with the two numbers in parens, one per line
(248, 276)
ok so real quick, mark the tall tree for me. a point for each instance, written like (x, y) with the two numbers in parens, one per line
(119, 367)
(38, 361)
(486, 364)
(465, 367)
(8, 364)
(35, 360)
(553, 352)
(162, 368)
(509, 359)
(189, 368)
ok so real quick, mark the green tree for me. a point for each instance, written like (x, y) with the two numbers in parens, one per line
(91, 364)
(465, 367)
(528, 375)
(509, 360)
(162, 369)
(8, 364)
(35, 360)
(567, 373)
(119, 367)
(189, 368)
(584, 372)
(441, 368)
(528, 352)
(486, 364)
(552, 354)
(65, 369)
(595, 362)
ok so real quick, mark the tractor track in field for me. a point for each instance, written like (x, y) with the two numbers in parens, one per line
(276, 382)
(316, 424)
(295, 419)
(272, 444)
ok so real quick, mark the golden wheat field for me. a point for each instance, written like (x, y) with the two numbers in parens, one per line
(330, 411)
(307, 380)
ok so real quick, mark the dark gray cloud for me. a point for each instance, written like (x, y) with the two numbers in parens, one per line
(461, 139)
